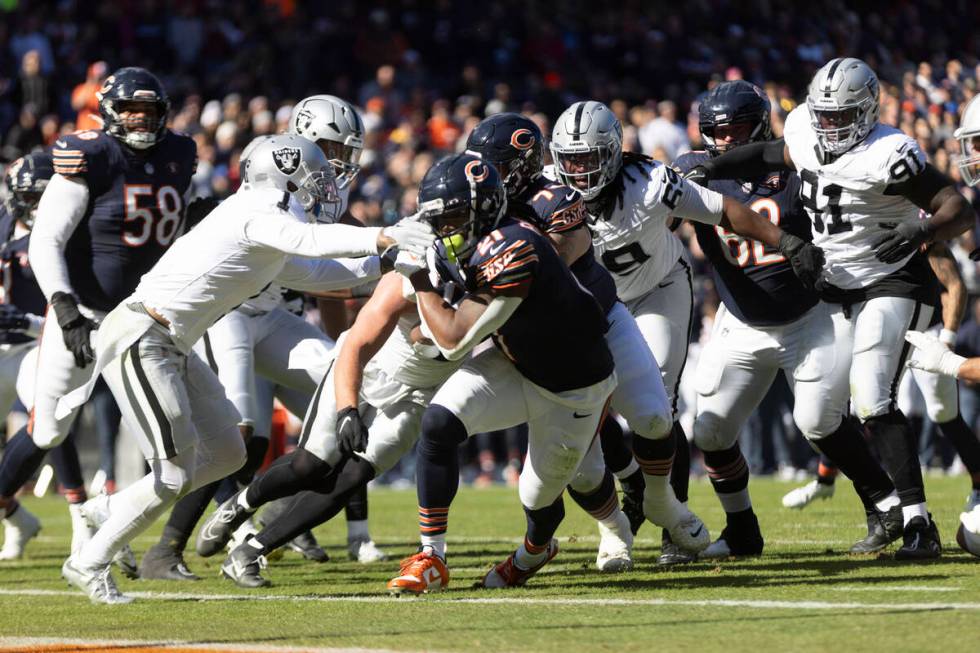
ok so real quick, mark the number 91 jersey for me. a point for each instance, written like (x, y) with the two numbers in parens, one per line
(851, 198)
(135, 211)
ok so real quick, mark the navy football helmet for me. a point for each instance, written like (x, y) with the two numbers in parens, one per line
(463, 198)
(26, 179)
(730, 103)
(514, 145)
(126, 89)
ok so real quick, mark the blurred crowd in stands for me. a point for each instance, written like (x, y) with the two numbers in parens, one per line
(424, 73)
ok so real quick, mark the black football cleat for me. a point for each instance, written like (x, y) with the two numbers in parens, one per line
(306, 545)
(162, 562)
(671, 554)
(633, 487)
(220, 526)
(740, 537)
(883, 529)
(242, 567)
(920, 541)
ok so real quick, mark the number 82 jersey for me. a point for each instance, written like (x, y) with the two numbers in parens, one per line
(851, 198)
(135, 210)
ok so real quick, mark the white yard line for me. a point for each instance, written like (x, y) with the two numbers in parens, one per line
(708, 603)
(40, 642)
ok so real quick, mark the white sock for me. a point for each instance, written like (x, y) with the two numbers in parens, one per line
(133, 510)
(916, 510)
(627, 471)
(357, 529)
(658, 496)
(889, 502)
(435, 543)
(243, 502)
(735, 501)
(526, 559)
(615, 520)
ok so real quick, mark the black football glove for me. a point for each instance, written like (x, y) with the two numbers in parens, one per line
(897, 243)
(352, 435)
(698, 175)
(13, 319)
(198, 210)
(805, 258)
(75, 328)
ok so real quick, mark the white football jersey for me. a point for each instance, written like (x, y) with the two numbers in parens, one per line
(636, 244)
(846, 199)
(399, 371)
(271, 297)
(241, 247)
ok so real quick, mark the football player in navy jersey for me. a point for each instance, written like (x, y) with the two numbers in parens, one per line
(514, 145)
(768, 322)
(549, 367)
(115, 203)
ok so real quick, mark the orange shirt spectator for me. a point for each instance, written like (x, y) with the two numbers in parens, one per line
(83, 98)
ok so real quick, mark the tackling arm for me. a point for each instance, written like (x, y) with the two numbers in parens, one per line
(59, 213)
(955, 297)
(747, 161)
(934, 193)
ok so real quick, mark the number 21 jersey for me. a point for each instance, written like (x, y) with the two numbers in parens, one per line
(851, 199)
(135, 210)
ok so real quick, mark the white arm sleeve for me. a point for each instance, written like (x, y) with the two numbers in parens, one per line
(59, 212)
(497, 313)
(699, 203)
(328, 274)
(312, 240)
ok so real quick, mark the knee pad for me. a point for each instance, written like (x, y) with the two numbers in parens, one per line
(172, 478)
(712, 434)
(589, 476)
(307, 466)
(441, 427)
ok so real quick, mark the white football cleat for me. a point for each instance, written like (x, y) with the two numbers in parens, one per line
(803, 496)
(365, 551)
(98, 584)
(615, 546)
(17, 530)
(81, 529)
(96, 511)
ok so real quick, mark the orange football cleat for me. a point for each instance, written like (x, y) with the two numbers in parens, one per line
(508, 574)
(420, 573)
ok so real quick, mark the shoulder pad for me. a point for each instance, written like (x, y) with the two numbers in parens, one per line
(74, 155)
(897, 158)
(506, 257)
(558, 208)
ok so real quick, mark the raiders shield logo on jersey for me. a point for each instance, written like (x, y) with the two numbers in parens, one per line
(287, 159)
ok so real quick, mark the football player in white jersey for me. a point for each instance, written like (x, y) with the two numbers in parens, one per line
(188, 430)
(251, 350)
(863, 186)
(381, 379)
(631, 201)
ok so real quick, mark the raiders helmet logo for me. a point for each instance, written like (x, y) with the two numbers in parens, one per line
(476, 171)
(522, 139)
(287, 159)
(304, 119)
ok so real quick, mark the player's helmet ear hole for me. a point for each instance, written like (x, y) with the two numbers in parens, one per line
(291, 187)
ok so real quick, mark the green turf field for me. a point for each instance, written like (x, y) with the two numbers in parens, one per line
(803, 594)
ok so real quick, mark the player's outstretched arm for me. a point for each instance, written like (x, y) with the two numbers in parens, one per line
(955, 296)
(456, 331)
(747, 161)
(373, 326)
(931, 355)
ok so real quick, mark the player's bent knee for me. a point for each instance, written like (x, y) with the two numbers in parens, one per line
(712, 434)
(441, 427)
(940, 413)
(307, 465)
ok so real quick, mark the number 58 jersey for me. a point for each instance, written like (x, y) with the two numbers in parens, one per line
(851, 199)
(135, 210)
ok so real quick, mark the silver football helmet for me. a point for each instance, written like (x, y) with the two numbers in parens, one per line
(843, 104)
(294, 165)
(335, 122)
(587, 147)
(968, 135)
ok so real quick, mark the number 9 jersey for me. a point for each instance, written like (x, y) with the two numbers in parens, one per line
(851, 198)
(135, 210)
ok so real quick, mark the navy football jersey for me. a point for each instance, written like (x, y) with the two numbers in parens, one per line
(556, 208)
(136, 210)
(19, 285)
(756, 282)
(556, 337)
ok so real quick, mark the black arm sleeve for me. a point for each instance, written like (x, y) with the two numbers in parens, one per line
(921, 188)
(748, 161)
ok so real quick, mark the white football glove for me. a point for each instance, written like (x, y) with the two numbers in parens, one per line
(411, 235)
(408, 263)
(931, 355)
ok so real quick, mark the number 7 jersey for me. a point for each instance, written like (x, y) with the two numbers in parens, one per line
(135, 210)
(851, 199)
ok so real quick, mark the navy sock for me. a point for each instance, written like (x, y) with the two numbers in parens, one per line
(438, 467)
(21, 459)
